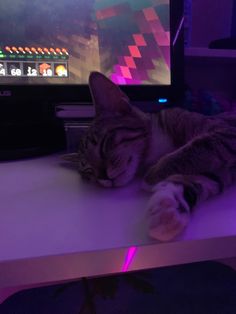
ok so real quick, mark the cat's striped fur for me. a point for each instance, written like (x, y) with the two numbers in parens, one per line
(184, 157)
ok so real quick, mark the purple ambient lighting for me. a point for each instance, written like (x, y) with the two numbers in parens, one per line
(129, 258)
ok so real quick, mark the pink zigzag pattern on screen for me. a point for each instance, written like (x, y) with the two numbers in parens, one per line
(133, 67)
(161, 36)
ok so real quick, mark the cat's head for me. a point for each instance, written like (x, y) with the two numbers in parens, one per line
(111, 152)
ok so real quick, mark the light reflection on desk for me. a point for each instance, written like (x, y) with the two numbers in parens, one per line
(129, 258)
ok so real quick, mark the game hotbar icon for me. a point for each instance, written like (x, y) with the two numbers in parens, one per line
(61, 42)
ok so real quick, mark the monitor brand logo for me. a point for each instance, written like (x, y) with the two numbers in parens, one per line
(5, 93)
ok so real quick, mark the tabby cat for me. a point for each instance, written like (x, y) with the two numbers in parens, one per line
(184, 157)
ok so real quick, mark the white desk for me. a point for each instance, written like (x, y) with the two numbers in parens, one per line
(54, 227)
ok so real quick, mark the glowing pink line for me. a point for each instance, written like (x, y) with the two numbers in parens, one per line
(129, 258)
(178, 31)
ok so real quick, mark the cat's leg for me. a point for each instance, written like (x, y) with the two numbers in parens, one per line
(205, 153)
(173, 200)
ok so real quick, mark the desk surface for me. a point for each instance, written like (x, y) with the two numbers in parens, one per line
(55, 227)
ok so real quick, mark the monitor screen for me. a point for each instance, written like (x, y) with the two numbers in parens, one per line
(61, 42)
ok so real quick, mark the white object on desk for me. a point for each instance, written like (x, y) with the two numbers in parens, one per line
(54, 227)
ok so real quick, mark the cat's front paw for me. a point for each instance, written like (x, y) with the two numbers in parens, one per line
(168, 211)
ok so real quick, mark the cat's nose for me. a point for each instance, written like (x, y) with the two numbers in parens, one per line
(103, 179)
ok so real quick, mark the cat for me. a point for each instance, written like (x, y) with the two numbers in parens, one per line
(184, 157)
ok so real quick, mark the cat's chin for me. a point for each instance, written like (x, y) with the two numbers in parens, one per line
(106, 183)
(118, 182)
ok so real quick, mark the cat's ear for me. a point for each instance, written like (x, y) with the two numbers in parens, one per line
(107, 96)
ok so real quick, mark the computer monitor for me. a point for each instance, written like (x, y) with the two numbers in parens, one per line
(48, 48)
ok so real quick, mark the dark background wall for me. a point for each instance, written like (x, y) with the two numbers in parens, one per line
(211, 20)
(233, 28)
